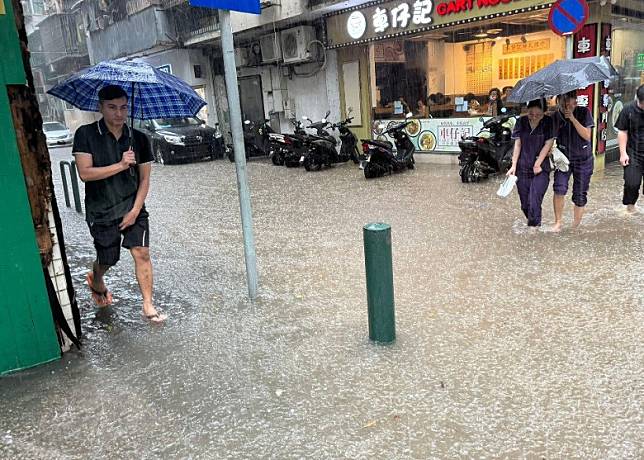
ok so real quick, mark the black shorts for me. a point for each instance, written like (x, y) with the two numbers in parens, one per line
(107, 238)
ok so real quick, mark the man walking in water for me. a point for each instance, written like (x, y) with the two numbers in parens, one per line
(630, 137)
(116, 185)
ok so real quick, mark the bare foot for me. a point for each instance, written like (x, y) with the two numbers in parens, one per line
(556, 228)
(151, 314)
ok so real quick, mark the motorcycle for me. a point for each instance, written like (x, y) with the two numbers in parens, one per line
(348, 141)
(288, 148)
(256, 140)
(489, 152)
(380, 157)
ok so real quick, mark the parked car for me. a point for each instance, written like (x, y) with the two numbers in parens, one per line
(57, 134)
(176, 140)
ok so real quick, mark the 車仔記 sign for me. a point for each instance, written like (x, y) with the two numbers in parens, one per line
(242, 6)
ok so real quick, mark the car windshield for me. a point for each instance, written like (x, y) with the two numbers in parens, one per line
(55, 126)
(161, 123)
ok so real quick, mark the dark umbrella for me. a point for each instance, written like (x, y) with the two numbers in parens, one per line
(561, 77)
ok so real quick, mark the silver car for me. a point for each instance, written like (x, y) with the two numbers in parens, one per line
(57, 134)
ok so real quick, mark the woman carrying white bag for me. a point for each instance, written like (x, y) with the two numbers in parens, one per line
(573, 127)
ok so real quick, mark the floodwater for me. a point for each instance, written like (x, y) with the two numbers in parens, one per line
(510, 344)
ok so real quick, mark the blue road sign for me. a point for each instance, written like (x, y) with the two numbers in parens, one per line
(243, 6)
(568, 16)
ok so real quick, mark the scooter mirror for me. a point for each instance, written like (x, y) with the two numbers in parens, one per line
(323, 120)
(504, 110)
(481, 119)
(305, 117)
(247, 122)
(409, 115)
(328, 112)
(349, 111)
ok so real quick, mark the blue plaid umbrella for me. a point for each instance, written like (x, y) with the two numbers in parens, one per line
(152, 93)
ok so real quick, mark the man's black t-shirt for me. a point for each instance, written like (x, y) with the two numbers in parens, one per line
(631, 119)
(110, 199)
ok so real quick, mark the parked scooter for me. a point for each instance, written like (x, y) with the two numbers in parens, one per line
(380, 157)
(256, 140)
(490, 151)
(348, 140)
(288, 148)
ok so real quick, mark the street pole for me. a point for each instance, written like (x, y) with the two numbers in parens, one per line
(234, 108)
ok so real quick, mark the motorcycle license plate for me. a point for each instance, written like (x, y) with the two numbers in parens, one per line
(301, 158)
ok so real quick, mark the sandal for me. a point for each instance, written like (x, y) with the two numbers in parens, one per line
(102, 298)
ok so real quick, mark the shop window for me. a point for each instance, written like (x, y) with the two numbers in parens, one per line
(450, 73)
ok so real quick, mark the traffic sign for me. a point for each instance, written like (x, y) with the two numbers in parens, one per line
(243, 6)
(568, 16)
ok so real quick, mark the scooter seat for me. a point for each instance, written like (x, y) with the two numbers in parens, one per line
(381, 144)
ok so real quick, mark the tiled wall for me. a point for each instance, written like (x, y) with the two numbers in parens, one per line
(57, 274)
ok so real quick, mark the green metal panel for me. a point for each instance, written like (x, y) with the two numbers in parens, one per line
(27, 333)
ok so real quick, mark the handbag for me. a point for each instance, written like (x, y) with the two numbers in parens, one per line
(558, 160)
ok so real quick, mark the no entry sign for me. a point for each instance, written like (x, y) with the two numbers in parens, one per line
(243, 6)
(568, 16)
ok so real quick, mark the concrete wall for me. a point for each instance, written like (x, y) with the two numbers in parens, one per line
(182, 62)
(287, 9)
(138, 32)
(312, 95)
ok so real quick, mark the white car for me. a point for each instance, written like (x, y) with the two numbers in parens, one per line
(57, 134)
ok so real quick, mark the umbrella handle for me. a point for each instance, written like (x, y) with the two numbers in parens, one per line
(131, 127)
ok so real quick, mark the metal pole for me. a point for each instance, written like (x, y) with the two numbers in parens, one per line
(380, 282)
(234, 108)
(62, 175)
(74, 177)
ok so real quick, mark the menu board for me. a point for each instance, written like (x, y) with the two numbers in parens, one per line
(520, 67)
(478, 68)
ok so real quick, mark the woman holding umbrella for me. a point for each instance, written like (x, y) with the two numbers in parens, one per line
(573, 126)
(534, 137)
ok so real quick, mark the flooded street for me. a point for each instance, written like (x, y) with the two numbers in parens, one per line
(510, 344)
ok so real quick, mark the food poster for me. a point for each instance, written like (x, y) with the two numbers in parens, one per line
(432, 134)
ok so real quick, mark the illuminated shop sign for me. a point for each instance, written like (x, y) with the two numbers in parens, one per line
(381, 20)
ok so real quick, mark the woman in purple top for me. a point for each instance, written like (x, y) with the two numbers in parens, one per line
(534, 137)
(573, 126)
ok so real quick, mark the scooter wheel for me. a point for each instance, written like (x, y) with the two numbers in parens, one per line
(465, 173)
(370, 171)
(277, 159)
(311, 165)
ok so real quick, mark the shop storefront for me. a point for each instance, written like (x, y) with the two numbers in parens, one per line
(452, 63)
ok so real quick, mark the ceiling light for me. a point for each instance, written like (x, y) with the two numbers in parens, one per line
(494, 31)
(480, 35)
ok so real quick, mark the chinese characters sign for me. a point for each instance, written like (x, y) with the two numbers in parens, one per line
(398, 17)
(606, 100)
(585, 45)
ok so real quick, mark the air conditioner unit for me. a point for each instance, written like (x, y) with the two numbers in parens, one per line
(270, 45)
(241, 57)
(297, 46)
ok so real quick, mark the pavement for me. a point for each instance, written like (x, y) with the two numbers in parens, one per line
(510, 343)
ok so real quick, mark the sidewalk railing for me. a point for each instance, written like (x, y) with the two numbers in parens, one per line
(73, 174)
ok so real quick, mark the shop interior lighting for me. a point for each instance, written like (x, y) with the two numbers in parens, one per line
(494, 31)
(480, 35)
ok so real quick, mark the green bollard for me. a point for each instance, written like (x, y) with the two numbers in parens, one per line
(380, 282)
